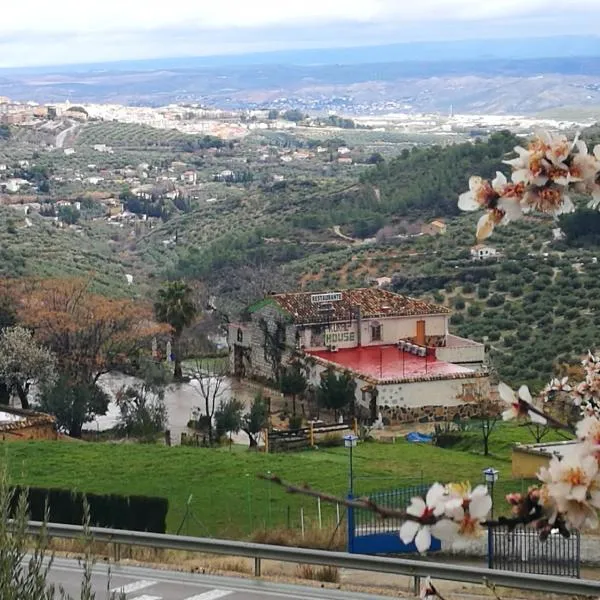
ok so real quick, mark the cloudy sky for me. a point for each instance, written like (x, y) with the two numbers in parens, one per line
(39, 32)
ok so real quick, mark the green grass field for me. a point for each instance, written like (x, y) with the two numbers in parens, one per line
(227, 498)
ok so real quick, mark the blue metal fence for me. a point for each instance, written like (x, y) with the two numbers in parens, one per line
(369, 534)
(522, 551)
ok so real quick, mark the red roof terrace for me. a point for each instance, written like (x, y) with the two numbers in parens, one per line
(388, 363)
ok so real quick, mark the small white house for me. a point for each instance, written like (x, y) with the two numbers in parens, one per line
(483, 252)
(69, 151)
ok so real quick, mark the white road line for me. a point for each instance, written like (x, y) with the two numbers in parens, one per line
(136, 586)
(145, 597)
(212, 595)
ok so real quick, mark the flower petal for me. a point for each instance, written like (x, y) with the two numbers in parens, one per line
(525, 394)
(480, 506)
(467, 202)
(435, 494)
(510, 413)
(423, 540)
(499, 182)
(408, 531)
(512, 209)
(416, 507)
(535, 418)
(445, 530)
(506, 393)
(485, 227)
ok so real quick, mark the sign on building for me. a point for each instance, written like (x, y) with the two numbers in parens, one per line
(339, 333)
(328, 297)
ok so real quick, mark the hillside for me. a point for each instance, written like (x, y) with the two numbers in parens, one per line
(323, 230)
(34, 246)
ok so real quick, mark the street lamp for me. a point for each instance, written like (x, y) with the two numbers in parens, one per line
(490, 476)
(350, 442)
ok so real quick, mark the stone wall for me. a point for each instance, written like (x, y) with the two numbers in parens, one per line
(34, 431)
(259, 366)
(428, 414)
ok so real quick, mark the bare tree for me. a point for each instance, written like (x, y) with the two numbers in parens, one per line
(488, 411)
(208, 377)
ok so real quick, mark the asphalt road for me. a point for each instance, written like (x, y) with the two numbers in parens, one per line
(141, 583)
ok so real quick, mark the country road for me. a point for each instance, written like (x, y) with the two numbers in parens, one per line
(62, 136)
(141, 583)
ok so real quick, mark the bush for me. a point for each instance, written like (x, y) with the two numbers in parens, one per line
(495, 300)
(295, 422)
(459, 304)
(137, 513)
(474, 310)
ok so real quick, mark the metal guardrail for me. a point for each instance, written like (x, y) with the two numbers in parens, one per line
(398, 566)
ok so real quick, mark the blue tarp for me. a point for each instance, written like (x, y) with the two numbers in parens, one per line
(415, 436)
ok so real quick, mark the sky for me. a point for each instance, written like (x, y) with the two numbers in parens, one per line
(40, 32)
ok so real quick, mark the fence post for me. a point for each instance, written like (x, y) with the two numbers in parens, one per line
(117, 552)
(490, 547)
(302, 521)
(312, 434)
(319, 513)
(257, 566)
(350, 513)
(266, 441)
(417, 585)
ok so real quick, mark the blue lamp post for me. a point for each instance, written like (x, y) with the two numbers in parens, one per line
(350, 443)
(490, 476)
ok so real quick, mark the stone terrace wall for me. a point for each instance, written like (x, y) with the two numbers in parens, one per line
(429, 414)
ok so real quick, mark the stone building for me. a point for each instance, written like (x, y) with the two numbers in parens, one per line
(406, 364)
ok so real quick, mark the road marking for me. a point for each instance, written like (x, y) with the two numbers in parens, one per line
(212, 595)
(145, 597)
(136, 586)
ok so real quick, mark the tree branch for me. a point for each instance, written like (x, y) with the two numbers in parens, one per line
(384, 512)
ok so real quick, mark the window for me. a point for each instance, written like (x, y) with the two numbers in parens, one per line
(240, 335)
(376, 333)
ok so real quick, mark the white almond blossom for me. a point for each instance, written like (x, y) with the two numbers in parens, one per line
(572, 486)
(542, 176)
(428, 591)
(466, 516)
(519, 404)
(421, 531)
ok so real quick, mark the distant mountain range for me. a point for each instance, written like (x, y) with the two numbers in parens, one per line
(445, 51)
(494, 76)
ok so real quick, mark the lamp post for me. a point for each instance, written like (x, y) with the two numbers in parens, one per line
(350, 443)
(490, 476)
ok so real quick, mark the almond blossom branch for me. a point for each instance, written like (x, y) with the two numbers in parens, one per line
(363, 503)
(555, 423)
(392, 513)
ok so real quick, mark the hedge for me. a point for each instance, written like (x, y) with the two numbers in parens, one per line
(137, 513)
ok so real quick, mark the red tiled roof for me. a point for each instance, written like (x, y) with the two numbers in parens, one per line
(388, 364)
(373, 302)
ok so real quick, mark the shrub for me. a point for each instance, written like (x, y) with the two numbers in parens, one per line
(474, 310)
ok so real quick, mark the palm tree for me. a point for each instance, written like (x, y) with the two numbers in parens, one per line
(175, 307)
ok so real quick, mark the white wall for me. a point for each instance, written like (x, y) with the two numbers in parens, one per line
(466, 354)
(446, 392)
(393, 329)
